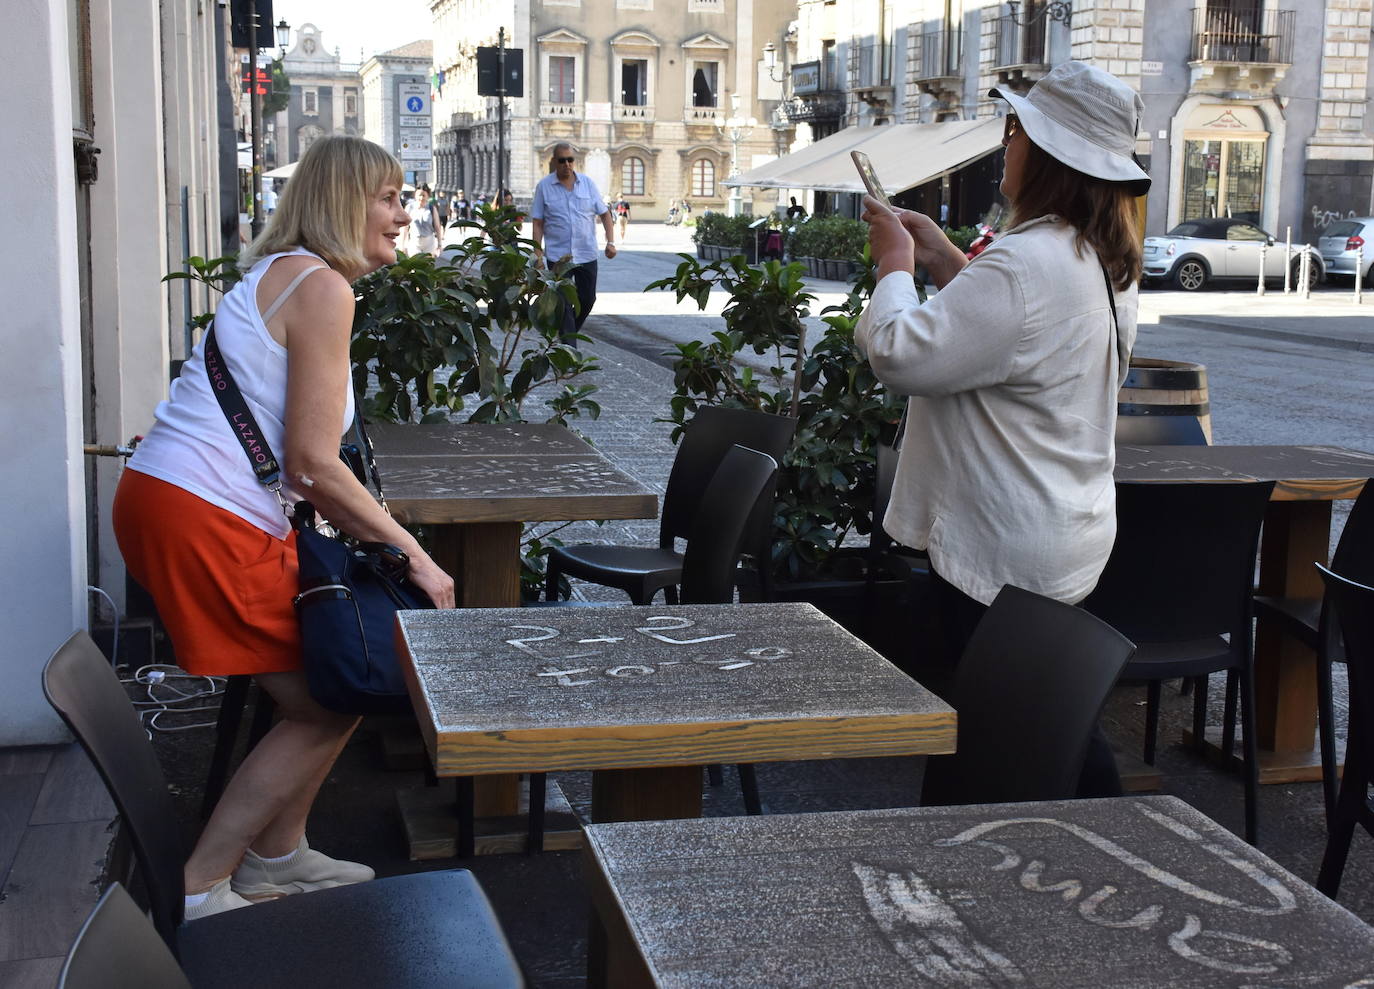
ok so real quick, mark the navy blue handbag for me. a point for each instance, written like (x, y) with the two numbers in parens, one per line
(349, 591)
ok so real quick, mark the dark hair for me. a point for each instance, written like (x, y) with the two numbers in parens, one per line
(1102, 212)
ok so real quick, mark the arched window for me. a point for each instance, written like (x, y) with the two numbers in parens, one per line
(632, 177)
(703, 177)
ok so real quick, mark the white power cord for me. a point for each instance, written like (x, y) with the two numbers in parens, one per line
(114, 642)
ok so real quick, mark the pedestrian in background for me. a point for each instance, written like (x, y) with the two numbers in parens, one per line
(423, 232)
(622, 214)
(567, 205)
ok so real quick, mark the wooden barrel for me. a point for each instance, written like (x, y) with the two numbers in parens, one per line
(1166, 388)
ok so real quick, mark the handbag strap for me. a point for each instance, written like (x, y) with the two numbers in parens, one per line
(241, 420)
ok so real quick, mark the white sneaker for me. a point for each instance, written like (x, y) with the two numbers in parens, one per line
(219, 898)
(304, 871)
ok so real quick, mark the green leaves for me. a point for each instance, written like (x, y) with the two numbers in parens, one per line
(825, 485)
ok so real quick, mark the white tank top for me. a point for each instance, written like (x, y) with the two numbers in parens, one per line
(192, 445)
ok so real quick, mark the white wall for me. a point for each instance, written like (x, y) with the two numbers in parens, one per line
(129, 312)
(42, 585)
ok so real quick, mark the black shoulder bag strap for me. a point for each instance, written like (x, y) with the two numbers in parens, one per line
(241, 420)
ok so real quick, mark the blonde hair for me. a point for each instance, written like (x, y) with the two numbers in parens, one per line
(324, 205)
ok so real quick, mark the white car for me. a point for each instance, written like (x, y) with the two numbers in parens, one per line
(1197, 252)
(1343, 242)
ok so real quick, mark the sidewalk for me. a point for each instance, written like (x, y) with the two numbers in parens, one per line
(1329, 318)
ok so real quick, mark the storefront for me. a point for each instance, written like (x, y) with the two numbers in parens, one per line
(1224, 168)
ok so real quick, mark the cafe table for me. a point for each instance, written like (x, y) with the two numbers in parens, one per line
(1128, 893)
(1297, 533)
(474, 485)
(645, 696)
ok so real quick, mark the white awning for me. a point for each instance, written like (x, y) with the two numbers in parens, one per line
(280, 172)
(903, 155)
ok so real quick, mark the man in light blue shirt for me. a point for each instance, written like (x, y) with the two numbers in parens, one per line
(566, 207)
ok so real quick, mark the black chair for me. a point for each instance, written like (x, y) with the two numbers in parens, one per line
(118, 948)
(1353, 604)
(429, 929)
(744, 480)
(1029, 689)
(231, 705)
(1310, 621)
(642, 571)
(1160, 431)
(1178, 580)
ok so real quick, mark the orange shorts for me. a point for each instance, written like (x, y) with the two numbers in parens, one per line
(222, 586)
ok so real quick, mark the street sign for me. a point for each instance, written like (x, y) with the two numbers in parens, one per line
(414, 99)
(416, 144)
(414, 120)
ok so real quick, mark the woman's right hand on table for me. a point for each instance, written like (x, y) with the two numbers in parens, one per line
(426, 575)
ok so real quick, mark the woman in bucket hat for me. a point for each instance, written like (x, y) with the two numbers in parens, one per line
(1013, 367)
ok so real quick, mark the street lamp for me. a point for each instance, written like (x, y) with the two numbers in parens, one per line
(283, 35)
(770, 62)
(736, 129)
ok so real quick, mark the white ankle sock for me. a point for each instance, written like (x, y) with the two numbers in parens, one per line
(277, 860)
(196, 899)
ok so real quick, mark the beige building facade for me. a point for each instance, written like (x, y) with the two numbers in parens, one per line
(326, 98)
(644, 88)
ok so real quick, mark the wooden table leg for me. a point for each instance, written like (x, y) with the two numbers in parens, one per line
(631, 795)
(484, 560)
(1296, 535)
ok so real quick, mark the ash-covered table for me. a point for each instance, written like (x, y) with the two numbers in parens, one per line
(474, 486)
(645, 696)
(477, 484)
(1127, 893)
(1297, 533)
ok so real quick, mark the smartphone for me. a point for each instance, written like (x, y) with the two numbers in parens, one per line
(870, 177)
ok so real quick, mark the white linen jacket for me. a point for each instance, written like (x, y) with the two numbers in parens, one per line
(1013, 369)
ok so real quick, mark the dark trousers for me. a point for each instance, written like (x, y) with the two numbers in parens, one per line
(959, 615)
(584, 278)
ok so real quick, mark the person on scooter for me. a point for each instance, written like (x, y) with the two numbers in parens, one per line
(1013, 367)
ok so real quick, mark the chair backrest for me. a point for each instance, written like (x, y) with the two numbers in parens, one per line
(1353, 604)
(80, 684)
(1354, 556)
(744, 479)
(705, 442)
(118, 949)
(1029, 689)
(1183, 563)
(1160, 431)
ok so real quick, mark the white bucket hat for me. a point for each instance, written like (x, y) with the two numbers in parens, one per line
(1085, 118)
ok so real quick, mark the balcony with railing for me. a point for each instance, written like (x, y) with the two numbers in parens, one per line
(1232, 44)
(703, 116)
(627, 113)
(817, 93)
(871, 67)
(940, 55)
(560, 111)
(1020, 49)
(1243, 35)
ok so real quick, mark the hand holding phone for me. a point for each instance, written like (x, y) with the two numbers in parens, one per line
(870, 177)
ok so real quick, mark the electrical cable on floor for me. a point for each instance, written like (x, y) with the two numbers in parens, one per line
(114, 641)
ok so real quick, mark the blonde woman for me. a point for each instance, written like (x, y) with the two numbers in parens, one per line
(213, 546)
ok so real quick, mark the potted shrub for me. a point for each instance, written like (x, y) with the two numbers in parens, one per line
(825, 487)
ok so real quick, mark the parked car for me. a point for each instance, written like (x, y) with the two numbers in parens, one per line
(1342, 241)
(1197, 252)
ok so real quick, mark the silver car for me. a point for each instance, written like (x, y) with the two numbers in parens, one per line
(1343, 242)
(1197, 252)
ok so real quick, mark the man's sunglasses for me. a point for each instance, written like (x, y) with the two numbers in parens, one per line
(565, 161)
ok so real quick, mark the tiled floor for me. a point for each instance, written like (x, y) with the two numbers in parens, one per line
(56, 835)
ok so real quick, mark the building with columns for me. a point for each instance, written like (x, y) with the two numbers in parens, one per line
(1245, 115)
(642, 87)
(326, 97)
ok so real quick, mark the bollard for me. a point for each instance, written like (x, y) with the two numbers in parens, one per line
(1287, 260)
(1359, 272)
(1305, 273)
(1259, 288)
